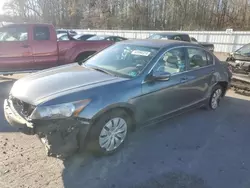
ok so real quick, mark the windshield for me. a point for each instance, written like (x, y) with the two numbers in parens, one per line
(97, 38)
(157, 36)
(244, 51)
(123, 60)
(62, 37)
(77, 37)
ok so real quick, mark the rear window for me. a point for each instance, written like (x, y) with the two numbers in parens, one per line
(185, 38)
(97, 38)
(41, 33)
(210, 59)
(157, 36)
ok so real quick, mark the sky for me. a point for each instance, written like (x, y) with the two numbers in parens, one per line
(1, 5)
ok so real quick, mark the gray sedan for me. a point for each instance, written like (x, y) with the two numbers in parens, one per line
(95, 105)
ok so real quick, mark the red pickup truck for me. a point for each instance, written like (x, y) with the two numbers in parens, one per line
(31, 47)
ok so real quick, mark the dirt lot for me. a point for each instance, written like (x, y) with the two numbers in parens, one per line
(200, 149)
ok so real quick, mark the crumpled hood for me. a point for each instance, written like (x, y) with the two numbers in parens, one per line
(35, 87)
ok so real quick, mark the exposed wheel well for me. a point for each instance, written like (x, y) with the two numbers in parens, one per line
(224, 87)
(128, 111)
(84, 55)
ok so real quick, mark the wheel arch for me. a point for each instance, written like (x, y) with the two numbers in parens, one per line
(128, 108)
(224, 86)
(84, 55)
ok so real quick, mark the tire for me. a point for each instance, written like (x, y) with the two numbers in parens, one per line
(215, 98)
(102, 139)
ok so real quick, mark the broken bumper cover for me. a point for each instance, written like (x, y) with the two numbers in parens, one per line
(61, 138)
(15, 120)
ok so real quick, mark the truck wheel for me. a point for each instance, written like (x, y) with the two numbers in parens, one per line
(109, 132)
(83, 56)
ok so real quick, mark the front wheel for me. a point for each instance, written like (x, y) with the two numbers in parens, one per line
(109, 132)
(215, 97)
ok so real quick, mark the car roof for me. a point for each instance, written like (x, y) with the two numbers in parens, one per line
(169, 33)
(61, 34)
(85, 34)
(158, 43)
(108, 36)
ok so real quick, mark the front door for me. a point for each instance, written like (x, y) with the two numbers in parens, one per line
(163, 97)
(15, 50)
(44, 46)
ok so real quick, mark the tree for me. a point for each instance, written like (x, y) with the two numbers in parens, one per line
(133, 14)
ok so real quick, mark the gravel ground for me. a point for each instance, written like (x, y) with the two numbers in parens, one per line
(199, 149)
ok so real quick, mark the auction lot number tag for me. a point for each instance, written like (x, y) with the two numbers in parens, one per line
(141, 53)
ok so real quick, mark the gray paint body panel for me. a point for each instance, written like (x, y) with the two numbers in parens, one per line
(147, 100)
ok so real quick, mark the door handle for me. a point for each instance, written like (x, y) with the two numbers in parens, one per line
(25, 46)
(183, 80)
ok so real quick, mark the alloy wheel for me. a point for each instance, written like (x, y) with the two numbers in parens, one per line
(216, 98)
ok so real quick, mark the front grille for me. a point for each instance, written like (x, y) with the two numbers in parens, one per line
(23, 108)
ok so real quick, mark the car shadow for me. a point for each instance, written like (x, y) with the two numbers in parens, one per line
(5, 86)
(185, 151)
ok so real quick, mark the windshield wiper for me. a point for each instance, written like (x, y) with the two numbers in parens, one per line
(101, 70)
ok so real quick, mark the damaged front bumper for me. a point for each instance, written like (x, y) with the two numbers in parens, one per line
(61, 138)
(16, 120)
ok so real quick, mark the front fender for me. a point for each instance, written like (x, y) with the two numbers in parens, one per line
(93, 114)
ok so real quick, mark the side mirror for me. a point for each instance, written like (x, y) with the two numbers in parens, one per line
(158, 75)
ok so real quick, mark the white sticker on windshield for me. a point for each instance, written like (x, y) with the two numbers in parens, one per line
(141, 53)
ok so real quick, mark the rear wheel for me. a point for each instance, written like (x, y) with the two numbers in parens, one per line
(109, 133)
(215, 97)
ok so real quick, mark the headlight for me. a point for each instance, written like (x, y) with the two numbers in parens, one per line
(59, 111)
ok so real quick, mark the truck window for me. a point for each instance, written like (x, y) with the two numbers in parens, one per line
(41, 33)
(17, 33)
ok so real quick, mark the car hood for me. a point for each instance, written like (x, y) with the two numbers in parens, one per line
(240, 57)
(37, 87)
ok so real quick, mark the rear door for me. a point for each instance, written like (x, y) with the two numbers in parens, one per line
(200, 73)
(44, 46)
(15, 49)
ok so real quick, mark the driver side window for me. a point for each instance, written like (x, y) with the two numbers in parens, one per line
(172, 61)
